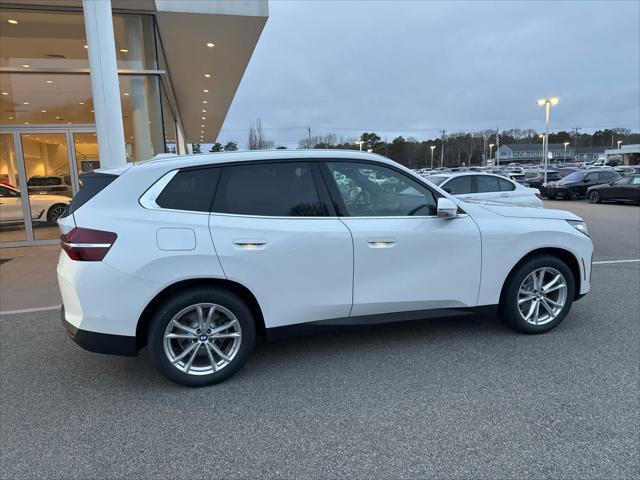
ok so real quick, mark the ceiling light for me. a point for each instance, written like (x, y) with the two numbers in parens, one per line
(126, 94)
(201, 131)
(58, 118)
(206, 75)
(12, 21)
(80, 103)
(205, 90)
(124, 50)
(24, 65)
(86, 46)
(10, 118)
(5, 93)
(204, 118)
(25, 103)
(68, 123)
(210, 45)
(26, 123)
(48, 81)
(92, 111)
(201, 126)
(43, 111)
(204, 101)
(204, 111)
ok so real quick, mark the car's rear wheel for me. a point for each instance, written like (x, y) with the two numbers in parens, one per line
(201, 336)
(594, 196)
(55, 212)
(550, 197)
(538, 295)
(574, 194)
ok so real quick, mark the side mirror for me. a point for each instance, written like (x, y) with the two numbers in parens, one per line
(447, 208)
(586, 181)
(612, 182)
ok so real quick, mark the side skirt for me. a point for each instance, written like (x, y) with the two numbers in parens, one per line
(349, 323)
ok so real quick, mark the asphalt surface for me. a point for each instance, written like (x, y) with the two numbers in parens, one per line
(454, 398)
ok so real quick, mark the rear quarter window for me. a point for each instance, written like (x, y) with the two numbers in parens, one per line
(191, 190)
(90, 185)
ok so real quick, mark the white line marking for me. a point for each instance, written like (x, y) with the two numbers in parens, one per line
(30, 310)
(617, 261)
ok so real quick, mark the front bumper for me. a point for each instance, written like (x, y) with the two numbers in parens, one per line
(100, 342)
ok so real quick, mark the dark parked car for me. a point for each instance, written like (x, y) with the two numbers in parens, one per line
(625, 189)
(535, 178)
(575, 185)
(53, 184)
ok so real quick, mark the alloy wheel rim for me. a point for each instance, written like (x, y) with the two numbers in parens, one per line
(542, 296)
(56, 212)
(594, 196)
(202, 339)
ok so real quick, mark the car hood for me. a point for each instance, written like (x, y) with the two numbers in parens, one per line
(520, 212)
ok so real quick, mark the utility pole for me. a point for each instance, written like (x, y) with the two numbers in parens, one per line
(498, 146)
(442, 149)
(309, 130)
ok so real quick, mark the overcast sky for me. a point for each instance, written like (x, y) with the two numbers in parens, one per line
(414, 67)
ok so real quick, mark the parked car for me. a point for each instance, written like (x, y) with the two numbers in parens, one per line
(194, 256)
(44, 208)
(575, 185)
(535, 178)
(56, 184)
(487, 187)
(625, 189)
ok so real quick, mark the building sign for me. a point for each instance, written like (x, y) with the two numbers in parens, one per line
(89, 165)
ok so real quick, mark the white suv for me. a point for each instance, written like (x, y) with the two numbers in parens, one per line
(193, 256)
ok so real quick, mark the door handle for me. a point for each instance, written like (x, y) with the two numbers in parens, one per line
(250, 243)
(381, 242)
(504, 195)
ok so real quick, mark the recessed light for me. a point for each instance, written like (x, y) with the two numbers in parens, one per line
(68, 123)
(58, 118)
(10, 118)
(86, 46)
(26, 123)
(92, 111)
(24, 65)
(201, 131)
(210, 45)
(48, 81)
(130, 137)
(204, 111)
(206, 75)
(25, 103)
(12, 21)
(204, 118)
(205, 90)
(149, 123)
(43, 111)
(5, 93)
(204, 101)
(201, 126)
(80, 103)
(126, 94)
(124, 50)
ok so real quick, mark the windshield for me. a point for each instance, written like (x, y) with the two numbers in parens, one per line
(574, 177)
(436, 180)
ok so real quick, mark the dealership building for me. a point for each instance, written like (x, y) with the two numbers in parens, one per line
(97, 83)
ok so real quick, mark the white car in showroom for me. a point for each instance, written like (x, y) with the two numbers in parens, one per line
(44, 208)
(470, 186)
(194, 256)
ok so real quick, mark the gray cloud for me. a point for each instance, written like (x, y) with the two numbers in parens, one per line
(411, 67)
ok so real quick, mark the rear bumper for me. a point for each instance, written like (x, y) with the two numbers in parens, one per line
(100, 342)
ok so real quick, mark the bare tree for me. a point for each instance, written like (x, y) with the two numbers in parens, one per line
(257, 140)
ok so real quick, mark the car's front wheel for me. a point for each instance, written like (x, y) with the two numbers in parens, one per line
(574, 194)
(201, 336)
(594, 196)
(55, 212)
(538, 295)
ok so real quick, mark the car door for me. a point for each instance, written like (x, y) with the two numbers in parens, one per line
(461, 186)
(618, 189)
(487, 187)
(274, 233)
(406, 259)
(10, 205)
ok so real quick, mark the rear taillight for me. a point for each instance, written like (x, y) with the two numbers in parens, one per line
(87, 245)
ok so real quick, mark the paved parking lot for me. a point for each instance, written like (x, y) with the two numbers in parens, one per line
(454, 398)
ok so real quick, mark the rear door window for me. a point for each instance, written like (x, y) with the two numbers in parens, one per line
(191, 190)
(505, 185)
(284, 189)
(487, 183)
(458, 185)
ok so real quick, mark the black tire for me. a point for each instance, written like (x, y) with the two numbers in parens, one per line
(55, 211)
(165, 313)
(574, 194)
(509, 310)
(594, 196)
(550, 197)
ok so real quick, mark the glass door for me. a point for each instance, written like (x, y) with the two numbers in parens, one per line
(12, 227)
(48, 178)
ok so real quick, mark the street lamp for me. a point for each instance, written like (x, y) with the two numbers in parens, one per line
(359, 143)
(432, 147)
(565, 151)
(491, 145)
(547, 102)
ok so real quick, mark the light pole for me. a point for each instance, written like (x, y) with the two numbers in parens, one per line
(359, 143)
(565, 151)
(432, 147)
(547, 102)
(491, 145)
